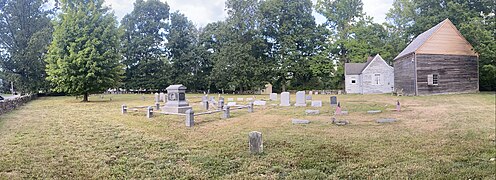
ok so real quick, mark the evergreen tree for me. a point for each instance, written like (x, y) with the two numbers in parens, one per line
(83, 57)
(25, 33)
(143, 35)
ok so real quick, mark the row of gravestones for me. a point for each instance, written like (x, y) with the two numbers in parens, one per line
(301, 99)
(160, 97)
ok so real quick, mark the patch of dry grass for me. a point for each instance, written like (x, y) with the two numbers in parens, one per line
(438, 137)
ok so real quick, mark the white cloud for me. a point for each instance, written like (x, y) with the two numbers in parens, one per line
(202, 12)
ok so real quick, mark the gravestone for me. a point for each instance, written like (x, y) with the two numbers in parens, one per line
(255, 142)
(334, 101)
(344, 112)
(259, 103)
(221, 98)
(300, 99)
(300, 121)
(176, 100)
(273, 96)
(249, 99)
(190, 118)
(285, 99)
(310, 92)
(149, 112)
(240, 99)
(308, 97)
(162, 97)
(204, 99)
(386, 120)
(231, 103)
(230, 99)
(374, 111)
(157, 97)
(316, 93)
(312, 112)
(226, 113)
(212, 98)
(316, 103)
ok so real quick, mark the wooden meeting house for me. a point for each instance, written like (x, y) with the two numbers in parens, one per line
(438, 61)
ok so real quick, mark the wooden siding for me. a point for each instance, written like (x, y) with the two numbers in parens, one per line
(377, 66)
(352, 88)
(457, 73)
(447, 40)
(404, 74)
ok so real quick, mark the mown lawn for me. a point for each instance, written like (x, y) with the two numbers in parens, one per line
(436, 137)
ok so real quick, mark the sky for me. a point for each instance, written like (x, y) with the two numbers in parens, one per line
(202, 12)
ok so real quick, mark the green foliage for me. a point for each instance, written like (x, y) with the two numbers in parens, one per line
(143, 33)
(83, 57)
(25, 33)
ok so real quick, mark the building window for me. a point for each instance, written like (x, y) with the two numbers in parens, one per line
(433, 79)
(377, 79)
(353, 81)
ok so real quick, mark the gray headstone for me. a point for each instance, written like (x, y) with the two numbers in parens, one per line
(240, 99)
(374, 111)
(316, 103)
(310, 92)
(285, 99)
(259, 103)
(231, 103)
(149, 112)
(312, 112)
(342, 123)
(273, 96)
(334, 101)
(255, 142)
(162, 97)
(386, 120)
(250, 107)
(309, 97)
(190, 118)
(226, 113)
(157, 97)
(344, 112)
(230, 99)
(300, 121)
(204, 98)
(300, 99)
(124, 109)
(249, 99)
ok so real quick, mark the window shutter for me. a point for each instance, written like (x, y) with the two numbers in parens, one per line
(429, 79)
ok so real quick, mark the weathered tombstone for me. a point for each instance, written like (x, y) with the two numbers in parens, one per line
(221, 104)
(273, 96)
(124, 109)
(176, 99)
(149, 112)
(334, 100)
(157, 106)
(310, 92)
(162, 97)
(316, 103)
(339, 92)
(231, 103)
(249, 99)
(309, 97)
(190, 118)
(250, 107)
(226, 113)
(285, 99)
(259, 103)
(240, 99)
(157, 97)
(300, 99)
(300, 121)
(316, 93)
(386, 120)
(255, 142)
(230, 99)
(374, 111)
(312, 112)
(344, 112)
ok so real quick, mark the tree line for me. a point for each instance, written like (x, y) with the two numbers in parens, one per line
(78, 46)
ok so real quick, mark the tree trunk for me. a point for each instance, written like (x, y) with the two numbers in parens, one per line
(85, 98)
(283, 86)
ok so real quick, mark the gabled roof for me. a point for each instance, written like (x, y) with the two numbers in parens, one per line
(357, 68)
(444, 34)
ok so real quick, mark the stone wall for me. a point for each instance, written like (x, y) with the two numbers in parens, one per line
(10, 104)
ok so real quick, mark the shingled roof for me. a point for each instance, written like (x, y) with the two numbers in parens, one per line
(357, 68)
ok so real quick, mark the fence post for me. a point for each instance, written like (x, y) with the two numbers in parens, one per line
(157, 106)
(250, 107)
(149, 112)
(221, 104)
(190, 118)
(124, 109)
(226, 114)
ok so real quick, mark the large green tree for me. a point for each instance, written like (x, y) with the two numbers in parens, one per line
(290, 31)
(143, 36)
(25, 33)
(83, 57)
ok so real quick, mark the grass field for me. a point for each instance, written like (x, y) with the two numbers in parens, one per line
(436, 137)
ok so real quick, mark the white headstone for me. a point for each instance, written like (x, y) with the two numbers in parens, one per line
(316, 103)
(285, 99)
(300, 99)
(162, 96)
(316, 93)
(230, 99)
(231, 104)
(240, 99)
(259, 103)
(273, 96)
(249, 99)
(157, 97)
(310, 92)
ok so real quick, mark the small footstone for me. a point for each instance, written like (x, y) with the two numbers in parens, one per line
(374, 112)
(387, 120)
(300, 121)
(344, 112)
(342, 123)
(312, 112)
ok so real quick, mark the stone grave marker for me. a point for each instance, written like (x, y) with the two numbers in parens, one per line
(309, 97)
(231, 103)
(300, 99)
(259, 103)
(312, 112)
(334, 101)
(285, 99)
(316, 103)
(240, 99)
(374, 111)
(162, 97)
(249, 99)
(273, 96)
(300, 121)
(230, 99)
(255, 142)
(157, 97)
(176, 100)
(310, 92)
(386, 120)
